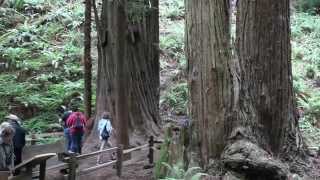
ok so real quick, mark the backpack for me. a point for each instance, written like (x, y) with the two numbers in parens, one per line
(78, 125)
(105, 133)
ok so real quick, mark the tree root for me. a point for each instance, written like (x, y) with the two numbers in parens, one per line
(254, 163)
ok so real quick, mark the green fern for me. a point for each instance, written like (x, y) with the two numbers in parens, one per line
(176, 172)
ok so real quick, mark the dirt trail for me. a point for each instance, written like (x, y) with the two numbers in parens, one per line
(133, 169)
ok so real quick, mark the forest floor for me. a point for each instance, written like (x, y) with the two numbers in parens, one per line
(136, 168)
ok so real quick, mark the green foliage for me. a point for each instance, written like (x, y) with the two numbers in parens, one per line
(305, 52)
(43, 53)
(17, 4)
(311, 134)
(164, 155)
(306, 35)
(176, 98)
(310, 72)
(176, 172)
(312, 108)
(41, 122)
(173, 9)
(172, 44)
(308, 5)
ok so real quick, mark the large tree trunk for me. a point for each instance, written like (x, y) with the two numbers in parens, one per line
(143, 56)
(118, 40)
(263, 46)
(210, 83)
(141, 81)
(87, 60)
(242, 109)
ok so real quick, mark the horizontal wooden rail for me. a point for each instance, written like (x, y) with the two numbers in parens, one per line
(83, 156)
(135, 149)
(96, 167)
(62, 165)
(72, 160)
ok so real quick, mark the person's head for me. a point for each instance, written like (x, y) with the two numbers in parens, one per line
(106, 115)
(6, 132)
(13, 119)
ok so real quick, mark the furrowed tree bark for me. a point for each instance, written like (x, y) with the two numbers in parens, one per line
(142, 65)
(87, 60)
(242, 107)
(263, 44)
(122, 75)
(209, 76)
(143, 55)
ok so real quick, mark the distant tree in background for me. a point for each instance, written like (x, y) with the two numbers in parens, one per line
(87, 60)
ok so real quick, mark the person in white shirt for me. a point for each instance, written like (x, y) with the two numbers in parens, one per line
(105, 130)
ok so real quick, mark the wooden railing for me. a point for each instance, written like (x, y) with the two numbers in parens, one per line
(72, 162)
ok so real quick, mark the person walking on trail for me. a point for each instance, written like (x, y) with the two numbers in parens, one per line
(105, 130)
(19, 138)
(6, 147)
(76, 124)
(66, 131)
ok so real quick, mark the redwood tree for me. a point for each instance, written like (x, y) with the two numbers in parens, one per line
(139, 72)
(263, 46)
(87, 60)
(241, 105)
(210, 83)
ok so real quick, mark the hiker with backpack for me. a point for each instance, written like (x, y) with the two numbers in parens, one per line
(76, 124)
(105, 130)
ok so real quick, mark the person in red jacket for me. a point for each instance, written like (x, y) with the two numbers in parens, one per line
(76, 123)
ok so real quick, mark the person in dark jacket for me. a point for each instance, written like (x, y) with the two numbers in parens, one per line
(19, 139)
(66, 130)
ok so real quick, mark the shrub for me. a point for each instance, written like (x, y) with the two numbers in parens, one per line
(176, 172)
(176, 98)
(310, 72)
(308, 5)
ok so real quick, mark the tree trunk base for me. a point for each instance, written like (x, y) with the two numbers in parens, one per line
(252, 162)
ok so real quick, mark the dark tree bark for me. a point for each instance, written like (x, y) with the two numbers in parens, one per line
(87, 60)
(143, 55)
(1, 2)
(242, 108)
(210, 83)
(263, 44)
(140, 80)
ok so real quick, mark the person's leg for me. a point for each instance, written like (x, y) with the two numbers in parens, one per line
(67, 139)
(80, 135)
(18, 156)
(109, 143)
(18, 159)
(73, 142)
(103, 142)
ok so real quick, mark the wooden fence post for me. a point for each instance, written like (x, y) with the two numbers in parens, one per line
(4, 175)
(42, 175)
(33, 139)
(119, 159)
(72, 167)
(150, 155)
